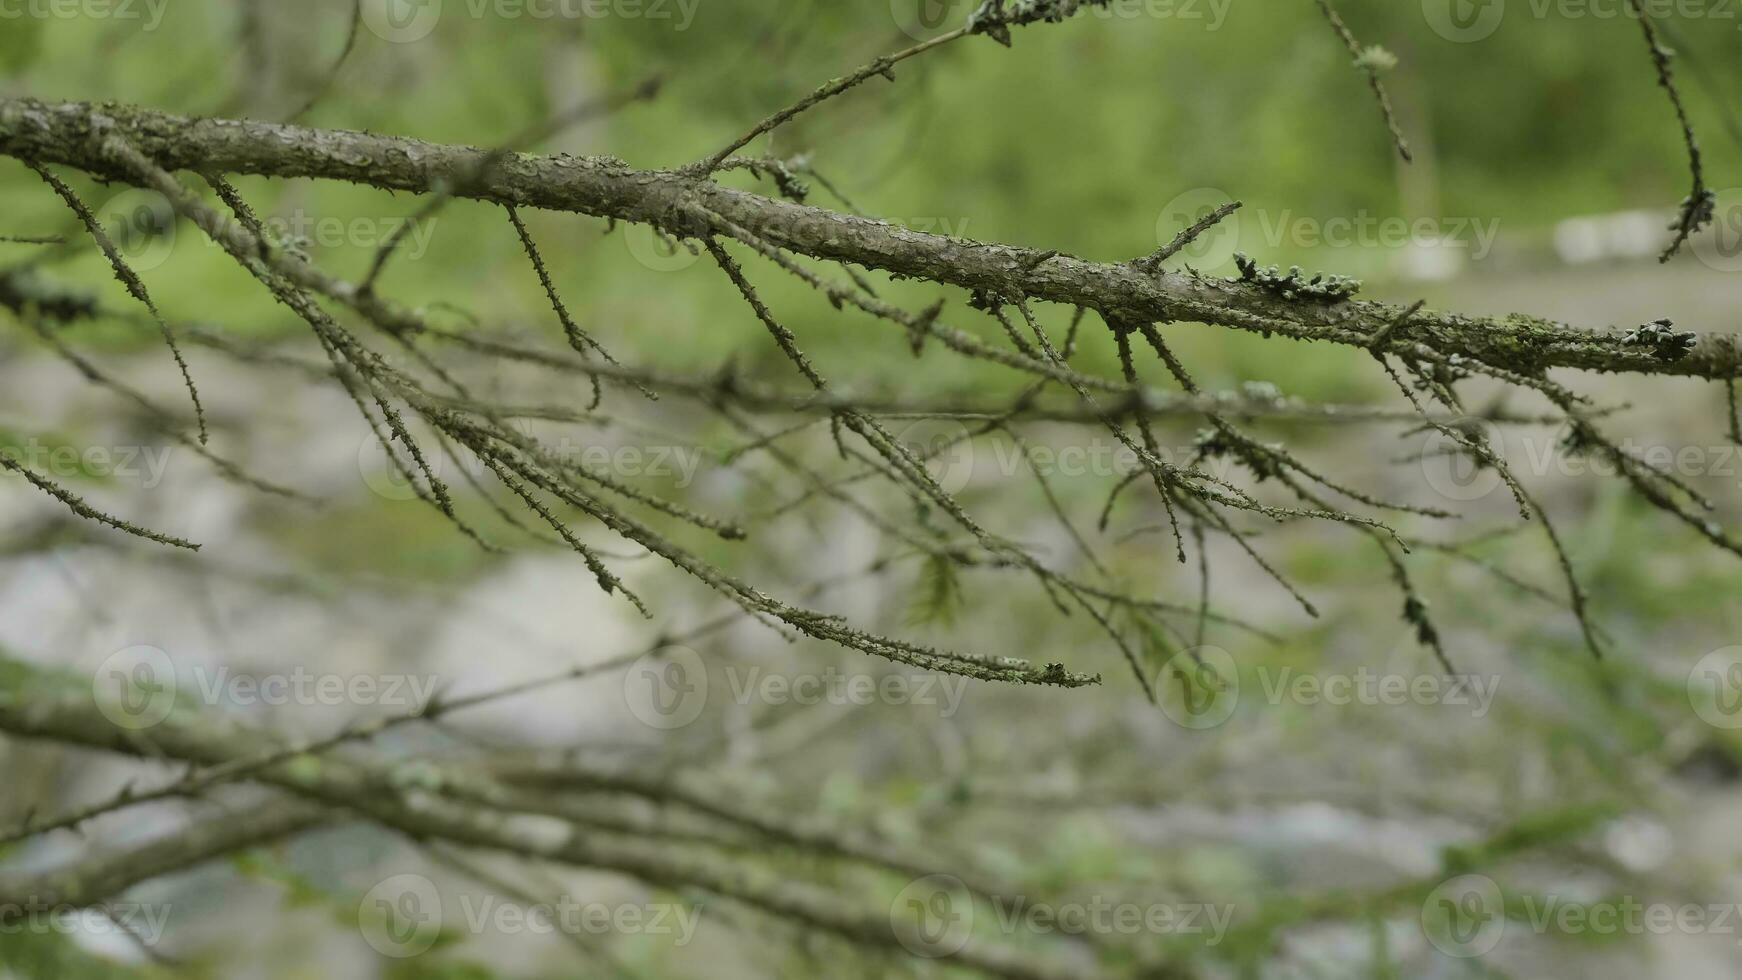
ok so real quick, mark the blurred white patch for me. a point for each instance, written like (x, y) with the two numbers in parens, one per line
(536, 617)
(1640, 843)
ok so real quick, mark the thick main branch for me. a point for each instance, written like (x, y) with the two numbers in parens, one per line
(70, 134)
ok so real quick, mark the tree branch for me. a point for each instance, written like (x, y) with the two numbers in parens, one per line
(72, 133)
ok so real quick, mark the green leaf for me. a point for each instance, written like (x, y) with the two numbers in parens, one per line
(938, 594)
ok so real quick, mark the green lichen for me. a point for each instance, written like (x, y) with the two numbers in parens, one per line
(1294, 285)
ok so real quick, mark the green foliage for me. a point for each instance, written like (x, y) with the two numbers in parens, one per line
(41, 955)
(937, 596)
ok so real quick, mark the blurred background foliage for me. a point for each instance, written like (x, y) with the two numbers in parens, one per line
(1082, 138)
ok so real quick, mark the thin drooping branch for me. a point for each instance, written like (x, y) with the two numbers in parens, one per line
(1371, 61)
(680, 204)
(131, 280)
(1699, 207)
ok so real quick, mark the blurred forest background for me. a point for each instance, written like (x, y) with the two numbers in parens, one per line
(1547, 164)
